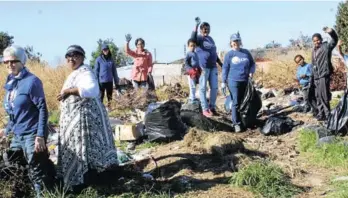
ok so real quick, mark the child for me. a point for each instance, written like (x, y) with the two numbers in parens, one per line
(193, 69)
(303, 76)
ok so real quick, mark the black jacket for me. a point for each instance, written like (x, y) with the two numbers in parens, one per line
(321, 58)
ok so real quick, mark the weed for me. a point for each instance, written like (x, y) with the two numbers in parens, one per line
(54, 117)
(331, 155)
(266, 180)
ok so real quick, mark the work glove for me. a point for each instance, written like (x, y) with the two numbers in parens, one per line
(223, 89)
(128, 38)
(198, 21)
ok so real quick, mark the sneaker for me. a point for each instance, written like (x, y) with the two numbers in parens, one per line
(237, 128)
(207, 113)
(214, 112)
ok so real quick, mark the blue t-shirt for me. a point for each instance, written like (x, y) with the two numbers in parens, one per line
(237, 65)
(208, 45)
(304, 70)
(191, 61)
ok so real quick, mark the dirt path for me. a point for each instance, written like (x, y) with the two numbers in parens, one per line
(201, 174)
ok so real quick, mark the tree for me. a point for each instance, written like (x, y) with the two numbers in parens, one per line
(119, 56)
(5, 41)
(303, 42)
(273, 44)
(32, 55)
(342, 24)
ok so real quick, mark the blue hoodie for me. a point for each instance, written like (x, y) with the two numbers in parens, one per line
(237, 66)
(208, 45)
(29, 112)
(191, 61)
(105, 70)
(304, 70)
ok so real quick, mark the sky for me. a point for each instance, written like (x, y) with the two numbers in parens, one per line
(50, 27)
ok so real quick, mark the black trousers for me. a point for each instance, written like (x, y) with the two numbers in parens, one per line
(108, 87)
(323, 96)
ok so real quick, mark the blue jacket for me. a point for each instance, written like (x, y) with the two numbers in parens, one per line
(105, 70)
(29, 112)
(191, 61)
(208, 45)
(304, 70)
(237, 66)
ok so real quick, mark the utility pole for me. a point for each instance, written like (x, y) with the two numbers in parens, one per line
(184, 50)
(155, 54)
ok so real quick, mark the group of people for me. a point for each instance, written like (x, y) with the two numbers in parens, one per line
(85, 140)
(315, 78)
(238, 68)
(201, 67)
(85, 137)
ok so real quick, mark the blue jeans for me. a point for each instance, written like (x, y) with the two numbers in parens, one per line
(38, 163)
(237, 90)
(211, 75)
(192, 86)
(137, 84)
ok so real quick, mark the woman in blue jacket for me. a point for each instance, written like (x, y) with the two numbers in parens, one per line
(25, 104)
(105, 69)
(238, 66)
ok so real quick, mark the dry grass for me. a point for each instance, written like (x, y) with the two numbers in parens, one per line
(219, 143)
(281, 71)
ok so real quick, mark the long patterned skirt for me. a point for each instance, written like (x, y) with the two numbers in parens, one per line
(85, 139)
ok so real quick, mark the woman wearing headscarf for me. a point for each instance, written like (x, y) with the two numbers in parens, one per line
(105, 69)
(238, 67)
(85, 140)
(25, 104)
(142, 65)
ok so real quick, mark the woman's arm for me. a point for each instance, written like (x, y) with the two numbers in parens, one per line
(226, 67)
(86, 86)
(37, 96)
(150, 63)
(129, 51)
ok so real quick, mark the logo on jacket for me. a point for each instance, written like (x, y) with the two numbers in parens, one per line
(208, 45)
(237, 60)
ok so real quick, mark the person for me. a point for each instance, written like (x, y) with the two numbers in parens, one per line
(322, 71)
(238, 67)
(193, 69)
(85, 139)
(208, 65)
(343, 56)
(25, 103)
(106, 73)
(303, 75)
(142, 65)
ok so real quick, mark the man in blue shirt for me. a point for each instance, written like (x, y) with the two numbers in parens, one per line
(303, 75)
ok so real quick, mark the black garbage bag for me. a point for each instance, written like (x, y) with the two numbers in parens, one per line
(199, 121)
(150, 82)
(164, 123)
(195, 107)
(279, 125)
(250, 106)
(338, 118)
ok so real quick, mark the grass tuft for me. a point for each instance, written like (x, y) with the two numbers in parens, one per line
(332, 155)
(266, 180)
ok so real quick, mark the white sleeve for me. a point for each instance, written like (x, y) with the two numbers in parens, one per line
(87, 85)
